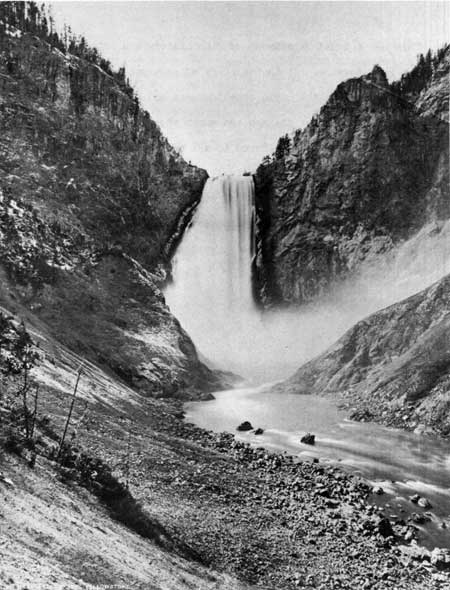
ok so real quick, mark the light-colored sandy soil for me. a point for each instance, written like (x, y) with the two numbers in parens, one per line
(55, 537)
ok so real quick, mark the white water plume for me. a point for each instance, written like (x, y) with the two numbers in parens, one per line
(211, 292)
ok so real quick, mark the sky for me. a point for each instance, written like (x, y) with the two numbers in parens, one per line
(224, 80)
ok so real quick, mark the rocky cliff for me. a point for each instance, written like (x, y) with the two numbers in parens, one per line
(367, 172)
(91, 194)
(394, 366)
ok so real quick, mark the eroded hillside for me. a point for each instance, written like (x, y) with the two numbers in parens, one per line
(136, 497)
(92, 195)
(394, 366)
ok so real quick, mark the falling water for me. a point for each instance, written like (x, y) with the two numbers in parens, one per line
(211, 292)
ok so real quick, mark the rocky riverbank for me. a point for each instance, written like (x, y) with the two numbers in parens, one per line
(392, 367)
(263, 518)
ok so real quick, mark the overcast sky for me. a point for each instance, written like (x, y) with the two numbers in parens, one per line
(225, 79)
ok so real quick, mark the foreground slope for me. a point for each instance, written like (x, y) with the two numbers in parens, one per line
(58, 537)
(140, 499)
(394, 366)
(91, 197)
(366, 173)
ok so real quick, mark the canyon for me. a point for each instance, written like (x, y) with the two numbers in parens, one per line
(368, 176)
(131, 283)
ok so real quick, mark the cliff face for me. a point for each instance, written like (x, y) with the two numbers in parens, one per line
(91, 193)
(394, 365)
(76, 145)
(368, 171)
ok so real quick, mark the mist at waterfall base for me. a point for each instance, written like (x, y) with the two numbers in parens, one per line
(211, 291)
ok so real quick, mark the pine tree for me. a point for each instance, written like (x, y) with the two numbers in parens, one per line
(283, 147)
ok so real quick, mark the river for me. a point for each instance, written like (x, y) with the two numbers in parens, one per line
(402, 463)
(211, 295)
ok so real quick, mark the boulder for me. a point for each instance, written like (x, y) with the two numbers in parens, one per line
(244, 426)
(414, 499)
(6, 480)
(424, 503)
(414, 551)
(419, 518)
(259, 431)
(308, 439)
(362, 415)
(409, 535)
(385, 528)
(440, 558)
(332, 503)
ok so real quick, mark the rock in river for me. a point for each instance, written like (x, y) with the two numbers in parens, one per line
(308, 439)
(245, 426)
(424, 503)
(440, 558)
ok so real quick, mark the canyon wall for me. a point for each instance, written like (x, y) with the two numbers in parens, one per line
(367, 172)
(393, 366)
(91, 195)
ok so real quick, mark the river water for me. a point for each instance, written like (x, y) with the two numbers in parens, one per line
(211, 295)
(402, 463)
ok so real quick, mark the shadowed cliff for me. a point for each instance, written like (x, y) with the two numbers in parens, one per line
(91, 194)
(367, 172)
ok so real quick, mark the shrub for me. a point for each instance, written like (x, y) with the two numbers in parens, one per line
(96, 476)
(17, 356)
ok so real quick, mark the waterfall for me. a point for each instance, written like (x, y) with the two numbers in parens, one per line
(211, 291)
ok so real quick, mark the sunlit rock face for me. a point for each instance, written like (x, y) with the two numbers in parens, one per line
(366, 173)
(393, 364)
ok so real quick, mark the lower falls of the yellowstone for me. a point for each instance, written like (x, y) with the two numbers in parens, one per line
(211, 294)
(211, 290)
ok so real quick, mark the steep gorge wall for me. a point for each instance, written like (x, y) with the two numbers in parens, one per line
(91, 193)
(367, 172)
(393, 366)
(74, 142)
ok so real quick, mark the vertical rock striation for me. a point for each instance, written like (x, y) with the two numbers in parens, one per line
(368, 171)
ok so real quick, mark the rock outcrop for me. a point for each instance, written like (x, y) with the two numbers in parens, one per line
(91, 195)
(367, 172)
(395, 364)
(76, 144)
